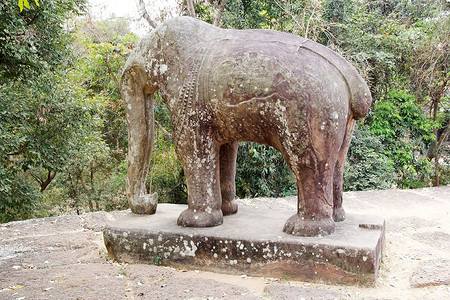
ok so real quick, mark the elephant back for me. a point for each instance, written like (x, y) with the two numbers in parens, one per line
(360, 96)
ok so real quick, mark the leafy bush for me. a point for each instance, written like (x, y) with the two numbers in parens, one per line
(406, 134)
(367, 167)
(166, 176)
(262, 171)
(18, 199)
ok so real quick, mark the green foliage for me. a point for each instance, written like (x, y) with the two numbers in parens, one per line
(100, 186)
(367, 167)
(33, 40)
(25, 3)
(262, 171)
(18, 199)
(42, 119)
(166, 174)
(158, 259)
(406, 133)
(45, 126)
(245, 14)
(60, 115)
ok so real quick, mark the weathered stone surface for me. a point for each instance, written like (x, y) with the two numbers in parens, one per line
(252, 244)
(431, 272)
(285, 292)
(225, 86)
(410, 223)
(94, 281)
(160, 283)
(438, 239)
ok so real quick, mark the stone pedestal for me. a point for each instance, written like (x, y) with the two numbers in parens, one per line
(251, 242)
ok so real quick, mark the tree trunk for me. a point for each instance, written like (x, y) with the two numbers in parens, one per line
(86, 189)
(46, 182)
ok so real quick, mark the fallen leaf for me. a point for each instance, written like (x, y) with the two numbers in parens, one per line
(16, 287)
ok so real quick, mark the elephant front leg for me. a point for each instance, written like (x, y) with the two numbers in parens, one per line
(228, 155)
(200, 159)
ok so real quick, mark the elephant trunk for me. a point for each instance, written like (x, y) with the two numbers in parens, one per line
(138, 100)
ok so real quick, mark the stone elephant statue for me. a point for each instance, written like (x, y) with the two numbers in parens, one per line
(223, 86)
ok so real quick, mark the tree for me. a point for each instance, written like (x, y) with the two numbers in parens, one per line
(368, 166)
(155, 11)
(430, 74)
(43, 120)
(406, 134)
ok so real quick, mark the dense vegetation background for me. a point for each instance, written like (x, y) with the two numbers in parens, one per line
(63, 137)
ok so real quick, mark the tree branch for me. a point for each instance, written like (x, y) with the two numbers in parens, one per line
(37, 178)
(145, 15)
(190, 6)
(165, 132)
(46, 182)
(443, 136)
(19, 151)
(113, 76)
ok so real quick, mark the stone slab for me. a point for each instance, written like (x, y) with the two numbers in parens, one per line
(286, 292)
(251, 242)
(431, 272)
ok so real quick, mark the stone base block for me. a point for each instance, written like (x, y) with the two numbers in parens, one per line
(251, 242)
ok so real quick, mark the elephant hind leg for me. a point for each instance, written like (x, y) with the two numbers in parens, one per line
(228, 155)
(338, 210)
(314, 176)
(314, 211)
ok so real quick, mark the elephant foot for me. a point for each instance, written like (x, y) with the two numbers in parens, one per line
(145, 204)
(297, 225)
(197, 218)
(338, 214)
(229, 207)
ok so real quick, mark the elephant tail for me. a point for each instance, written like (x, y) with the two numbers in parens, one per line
(360, 97)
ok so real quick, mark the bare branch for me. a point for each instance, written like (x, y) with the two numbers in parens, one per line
(145, 15)
(165, 132)
(444, 136)
(190, 6)
(113, 76)
(37, 178)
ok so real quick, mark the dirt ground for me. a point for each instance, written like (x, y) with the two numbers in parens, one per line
(65, 258)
